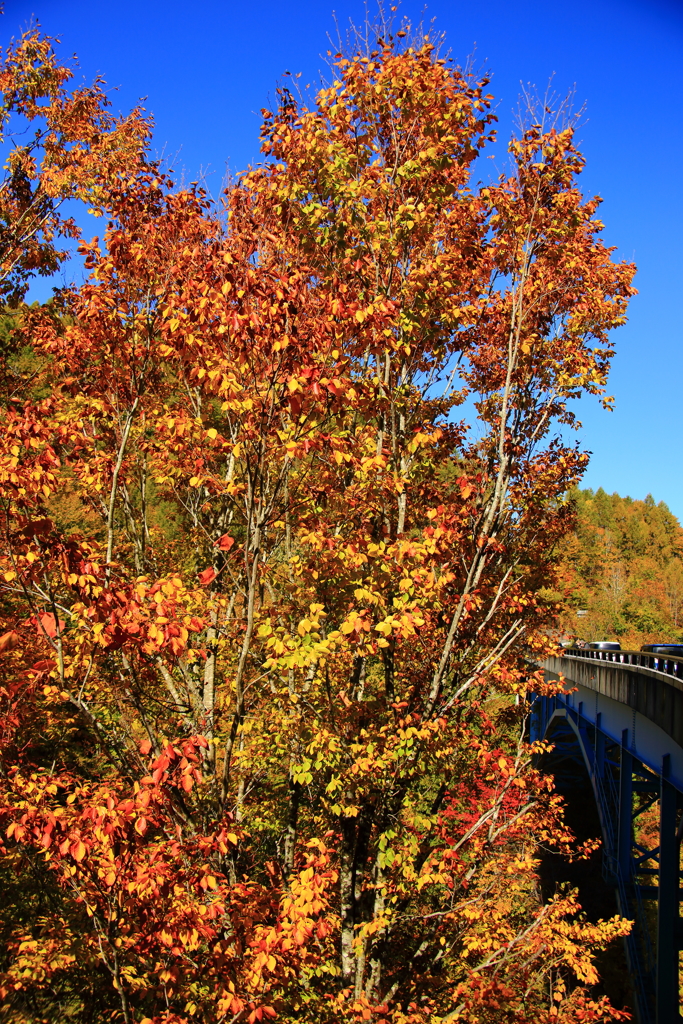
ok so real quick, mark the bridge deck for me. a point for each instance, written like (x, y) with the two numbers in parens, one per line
(649, 686)
(655, 697)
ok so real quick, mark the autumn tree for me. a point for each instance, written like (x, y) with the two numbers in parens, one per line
(59, 144)
(269, 598)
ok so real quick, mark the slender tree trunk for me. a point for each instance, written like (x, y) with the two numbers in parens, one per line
(209, 685)
(239, 676)
(292, 825)
(347, 902)
(115, 482)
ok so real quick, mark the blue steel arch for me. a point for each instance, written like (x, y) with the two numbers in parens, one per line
(623, 718)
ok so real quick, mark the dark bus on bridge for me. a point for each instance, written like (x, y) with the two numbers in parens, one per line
(675, 650)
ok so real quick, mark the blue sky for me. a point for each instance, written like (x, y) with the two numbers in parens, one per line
(207, 68)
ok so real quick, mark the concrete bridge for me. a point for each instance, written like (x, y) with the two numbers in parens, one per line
(620, 720)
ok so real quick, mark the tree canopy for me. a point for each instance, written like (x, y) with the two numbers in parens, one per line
(269, 599)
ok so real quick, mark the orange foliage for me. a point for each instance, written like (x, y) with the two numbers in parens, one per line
(262, 714)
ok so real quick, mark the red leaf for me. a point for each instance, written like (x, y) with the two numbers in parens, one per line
(225, 542)
(50, 625)
(43, 666)
(8, 641)
(208, 576)
(294, 404)
(141, 826)
(145, 747)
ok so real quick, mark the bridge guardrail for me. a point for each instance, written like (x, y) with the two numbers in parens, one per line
(656, 662)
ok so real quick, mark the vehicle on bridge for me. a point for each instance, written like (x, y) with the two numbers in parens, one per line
(666, 653)
(674, 650)
(603, 645)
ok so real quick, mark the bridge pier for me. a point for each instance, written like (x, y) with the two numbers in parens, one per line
(667, 996)
(625, 826)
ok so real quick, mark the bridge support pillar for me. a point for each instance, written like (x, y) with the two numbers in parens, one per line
(625, 825)
(599, 752)
(667, 903)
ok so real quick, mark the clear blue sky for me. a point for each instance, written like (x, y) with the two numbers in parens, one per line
(206, 68)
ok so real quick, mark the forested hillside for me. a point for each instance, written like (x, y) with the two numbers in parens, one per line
(623, 569)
